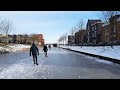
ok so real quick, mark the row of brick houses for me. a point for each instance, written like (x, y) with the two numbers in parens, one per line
(80, 37)
(97, 32)
(22, 39)
(112, 34)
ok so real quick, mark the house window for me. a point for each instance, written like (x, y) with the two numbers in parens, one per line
(107, 39)
(114, 28)
(95, 33)
(95, 27)
(88, 33)
(92, 28)
(105, 31)
(92, 34)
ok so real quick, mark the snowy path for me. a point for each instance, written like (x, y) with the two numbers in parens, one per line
(60, 64)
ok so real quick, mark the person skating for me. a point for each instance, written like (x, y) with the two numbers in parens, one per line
(34, 50)
(49, 47)
(45, 49)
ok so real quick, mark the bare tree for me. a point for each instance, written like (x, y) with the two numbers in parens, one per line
(72, 32)
(63, 38)
(80, 27)
(80, 24)
(7, 27)
(60, 40)
(1, 24)
(33, 37)
(106, 15)
(25, 38)
(66, 36)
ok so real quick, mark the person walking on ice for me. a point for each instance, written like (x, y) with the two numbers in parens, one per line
(45, 49)
(34, 50)
(49, 47)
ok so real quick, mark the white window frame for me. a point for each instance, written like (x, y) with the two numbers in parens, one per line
(92, 28)
(93, 35)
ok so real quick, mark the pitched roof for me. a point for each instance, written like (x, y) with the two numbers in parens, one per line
(92, 21)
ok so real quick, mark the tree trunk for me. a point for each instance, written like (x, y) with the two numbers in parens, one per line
(6, 38)
(81, 42)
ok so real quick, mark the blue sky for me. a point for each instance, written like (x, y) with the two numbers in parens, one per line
(52, 24)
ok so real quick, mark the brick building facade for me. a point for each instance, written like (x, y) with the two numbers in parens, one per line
(40, 39)
(93, 28)
(80, 37)
(112, 32)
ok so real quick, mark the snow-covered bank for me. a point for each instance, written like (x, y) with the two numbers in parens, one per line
(13, 48)
(19, 47)
(106, 51)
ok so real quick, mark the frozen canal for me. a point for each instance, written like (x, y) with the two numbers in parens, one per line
(60, 64)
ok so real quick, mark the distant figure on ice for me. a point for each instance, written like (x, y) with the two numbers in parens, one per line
(49, 46)
(45, 49)
(111, 45)
(34, 50)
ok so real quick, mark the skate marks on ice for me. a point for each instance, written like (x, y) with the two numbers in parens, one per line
(23, 69)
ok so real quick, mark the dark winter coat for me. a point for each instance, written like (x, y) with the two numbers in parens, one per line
(34, 50)
(49, 46)
(45, 49)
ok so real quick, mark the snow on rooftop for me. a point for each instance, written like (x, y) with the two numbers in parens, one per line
(96, 23)
(105, 24)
